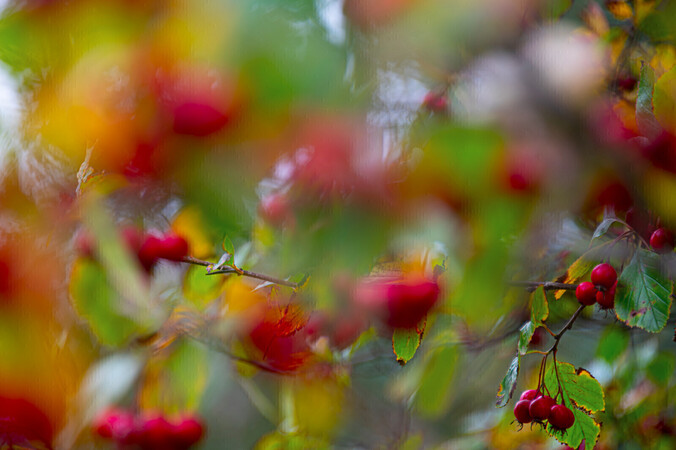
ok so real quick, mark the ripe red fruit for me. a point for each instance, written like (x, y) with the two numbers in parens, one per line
(114, 424)
(150, 252)
(603, 275)
(662, 240)
(188, 432)
(586, 293)
(530, 394)
(435, 102)
(174, 247)
(155, 433)
(409, 301)
(561, 418)
(198, 119)
(607, 299)
(521, 411)
(539, 408)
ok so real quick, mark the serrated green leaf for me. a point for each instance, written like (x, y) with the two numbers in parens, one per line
(579, 385)
(643, 293)
(583, 394)
(508, 383)
(525, 335)
(405, 343)
(612, 344)
(645, 117)
(539, 308)
(97, 302)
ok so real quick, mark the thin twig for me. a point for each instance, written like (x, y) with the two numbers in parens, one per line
(240, 272)
(547, 285)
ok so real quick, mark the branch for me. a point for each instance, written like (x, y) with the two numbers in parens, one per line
(565, 328)
(547, 285)
(240, 272)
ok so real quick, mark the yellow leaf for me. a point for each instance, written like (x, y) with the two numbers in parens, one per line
(620, 9)
(191, 226)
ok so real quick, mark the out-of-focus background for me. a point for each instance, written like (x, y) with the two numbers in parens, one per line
(340, 152)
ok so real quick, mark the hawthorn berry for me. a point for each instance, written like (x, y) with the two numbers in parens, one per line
(198, 119)
(521, 411)
(155, 433)
(607, 299)
(586, 293)
(530, 394)
(540, 407)
(603, 275)
(188, 431)
(114, 424)
(150, 252)
(409, 301)
(662, 240)
(174, 247)
(561, 418)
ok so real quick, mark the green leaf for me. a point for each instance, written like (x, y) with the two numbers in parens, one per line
(525, 335)
(553, 9)
(405, 343)
(647, 124)
(643, 293)
(661, 368)
(604, 226)
(539, 306)
(434, 394)
(175, 381)
(228, 248)
(583, 394)
(97, 302)
(508, 383)
(612, 344)
(200, 289)
(664, 100)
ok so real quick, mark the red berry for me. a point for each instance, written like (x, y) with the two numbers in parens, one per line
(662, 240)
(586, 293)
(607, 299)
(561, 418)
(539, 408)
(150, 252)
(114, 424)
(530, 394)
(603, 275)
(409, 301)
(435, 102)
(198, 119)
(174, 247)
(155, 433)
(521, 411)
(188, 432)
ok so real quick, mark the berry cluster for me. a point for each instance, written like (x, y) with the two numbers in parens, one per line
(535, 407)
(601, 289)
(152, 432)
(148, 248)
